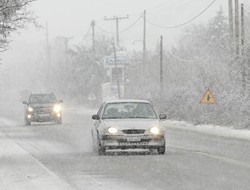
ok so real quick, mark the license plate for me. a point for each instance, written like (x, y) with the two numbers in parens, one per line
(133, 139)
(44, 115)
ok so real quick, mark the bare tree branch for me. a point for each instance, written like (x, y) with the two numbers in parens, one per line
(14, 14)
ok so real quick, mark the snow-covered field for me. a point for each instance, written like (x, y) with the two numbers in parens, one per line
(211, 129)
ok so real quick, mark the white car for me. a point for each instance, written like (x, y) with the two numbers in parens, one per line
(127, 124)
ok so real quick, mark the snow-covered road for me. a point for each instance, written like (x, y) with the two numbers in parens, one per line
(45, 156)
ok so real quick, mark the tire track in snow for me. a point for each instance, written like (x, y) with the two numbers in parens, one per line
(217, 157)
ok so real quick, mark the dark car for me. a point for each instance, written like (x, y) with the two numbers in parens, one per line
(128, 124)
(43, 108)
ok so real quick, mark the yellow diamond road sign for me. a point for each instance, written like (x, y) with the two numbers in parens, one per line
(208, 98)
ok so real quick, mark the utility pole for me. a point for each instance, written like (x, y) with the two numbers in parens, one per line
(93, 34)
(144, 37)
(161, 67)
(117, 19)
(231, 25)
(237, 29)
(243, 50)
(117, 32)
(242, 30)
(116, 72)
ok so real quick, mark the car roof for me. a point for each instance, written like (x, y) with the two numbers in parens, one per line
(127, 100)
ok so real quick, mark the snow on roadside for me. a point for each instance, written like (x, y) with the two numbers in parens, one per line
(210, 129)
(8, 122)
(80, 110)
(21, 171)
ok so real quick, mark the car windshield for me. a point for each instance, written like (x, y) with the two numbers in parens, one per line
(126, 110)
(42, 98)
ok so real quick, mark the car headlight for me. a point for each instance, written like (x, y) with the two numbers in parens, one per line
(112, 130)
(155, 130)
(30, 109)
(57, 108)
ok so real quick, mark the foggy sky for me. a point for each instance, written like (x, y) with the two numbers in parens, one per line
(72, 18)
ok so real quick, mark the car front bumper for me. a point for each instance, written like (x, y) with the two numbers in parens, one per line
(43, 117)
(132, 142)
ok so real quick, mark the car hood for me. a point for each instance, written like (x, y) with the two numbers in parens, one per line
(121, 124)
(42, 105)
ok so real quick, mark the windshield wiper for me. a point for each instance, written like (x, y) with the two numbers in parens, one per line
(139, 117)
(111, 118)
(127, 118)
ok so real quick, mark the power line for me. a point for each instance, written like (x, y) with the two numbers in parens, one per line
(153, 9)
(85, 36)
(124, 30)
(170, 3)
(116, 19)
(103, 29)
(130, 26)
(180, 25)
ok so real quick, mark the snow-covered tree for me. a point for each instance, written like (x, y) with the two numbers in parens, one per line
(13, 16)
(78, 70)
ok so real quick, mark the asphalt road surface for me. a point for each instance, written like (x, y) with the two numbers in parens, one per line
(192, 160)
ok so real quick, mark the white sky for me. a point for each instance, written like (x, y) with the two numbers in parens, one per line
(71, 18)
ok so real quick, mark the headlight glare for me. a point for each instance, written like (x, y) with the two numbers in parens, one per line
(112, 130)
(30, 109)
(155, 130)
(57, 108)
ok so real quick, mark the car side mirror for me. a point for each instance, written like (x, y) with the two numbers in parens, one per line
(24, 102)
(60, 101)
(95, 117)
(162, 116)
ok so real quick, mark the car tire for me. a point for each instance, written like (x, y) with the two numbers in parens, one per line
(27, 122)
(101, 150)
(59, 121)
(161, 150)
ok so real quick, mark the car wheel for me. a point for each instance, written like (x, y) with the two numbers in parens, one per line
(101, 150)
(27, 122)
(59, 121)
(161, 150)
